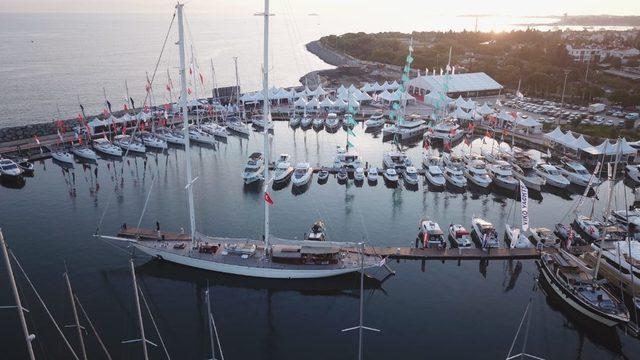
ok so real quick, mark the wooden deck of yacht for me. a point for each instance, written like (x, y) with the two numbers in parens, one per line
(408, 253)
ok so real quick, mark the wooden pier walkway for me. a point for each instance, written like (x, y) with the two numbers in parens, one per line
(407, 253)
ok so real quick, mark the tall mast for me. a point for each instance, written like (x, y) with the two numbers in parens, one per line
(143, 339)
(214, 90)
(185, 122)
(195, 82)
(267, 118)
(16, 296)
(237, 92)
(79, 328)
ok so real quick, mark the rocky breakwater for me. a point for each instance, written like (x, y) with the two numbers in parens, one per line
(21, 132)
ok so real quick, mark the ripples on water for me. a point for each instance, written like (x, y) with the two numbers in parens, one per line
(427, 309)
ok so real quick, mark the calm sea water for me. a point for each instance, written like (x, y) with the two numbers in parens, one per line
(428, 309)
(50, 61)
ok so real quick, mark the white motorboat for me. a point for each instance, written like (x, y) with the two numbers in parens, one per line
(283, 169)
(530, 178)
(294, 121)
(589, 227)
(376, 120)
(200, 136)
(323, 175)
(521, 158)
(453, 161)
(493, 155)
(62, 156)
(259, 122)
(342, 175)
(552, 176)
(106, 147)
(84, 152)
(332, 122)
(396, 159)
(515, 238)
(372, 175)
(455, 177)
(306, 121)
(430, 235)
(391, 176)
(460, 237)
(358, 175)
(9, 168)
(317, 122)
(153, 141)
(430, 159)
(485, 233)
(410, 176)
(347, 159)
(633, 172)
(502, 176)
(469, 157)
(445, 131)
(543, 237)
(476, 172)
(302, 174)
(253, 170)
(410, 128)
(435, 176)
(238, 127)
(574, 284)
(577, 173)
(174, 137)
(126, 142)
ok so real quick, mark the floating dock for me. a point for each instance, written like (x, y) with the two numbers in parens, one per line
(407, 253)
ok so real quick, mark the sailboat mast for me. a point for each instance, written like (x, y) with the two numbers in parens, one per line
(143, 339)
(75, 315)
(214, 87)
(16, 296)
(169, 87)
(185, 123)
(267, 118)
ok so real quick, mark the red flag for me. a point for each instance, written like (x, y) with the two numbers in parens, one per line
(268, 199)
(35, 137)
(124, 130)
(105, 112)
(168, 88)
(452, 132)
(80, 118)
(190, 71)
(60, 136)
(447, 145)
(125, 107)
(88, 128)
(425, 239)
(79, 140)
(189, 91)
(142, 126)
(167, 106)
(425, 144)
(202, 79)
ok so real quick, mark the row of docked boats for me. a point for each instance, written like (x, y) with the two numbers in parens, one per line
(15, 168)
(330, 122)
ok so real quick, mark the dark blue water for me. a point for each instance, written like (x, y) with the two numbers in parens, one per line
(428, 309)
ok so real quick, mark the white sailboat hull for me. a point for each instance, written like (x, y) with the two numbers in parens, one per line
(252, 271)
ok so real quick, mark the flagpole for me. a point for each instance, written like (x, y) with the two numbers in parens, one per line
(267, 118)
(104, 92)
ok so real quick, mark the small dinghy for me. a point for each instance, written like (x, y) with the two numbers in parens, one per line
(317, 232)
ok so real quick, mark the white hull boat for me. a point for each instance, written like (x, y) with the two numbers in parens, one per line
(106, 147)
(302, 174)
(410, 176)
(552, 176)
(516, 239)
(84, 152)
(153, 141)
(9, 168)
(62, 156)
(435, 176)
(127, 143)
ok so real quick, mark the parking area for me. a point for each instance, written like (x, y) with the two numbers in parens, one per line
(550, 112)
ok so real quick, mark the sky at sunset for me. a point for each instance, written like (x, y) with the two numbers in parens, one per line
(376, 8)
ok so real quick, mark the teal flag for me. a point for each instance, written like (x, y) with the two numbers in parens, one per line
(349, 144)
(352, 121)
(350, 132)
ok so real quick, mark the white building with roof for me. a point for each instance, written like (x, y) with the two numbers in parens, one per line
(454, 85)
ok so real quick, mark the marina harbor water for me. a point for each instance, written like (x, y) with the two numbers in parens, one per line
(278, 316)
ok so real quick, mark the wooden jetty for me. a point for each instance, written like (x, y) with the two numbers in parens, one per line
(405, 252)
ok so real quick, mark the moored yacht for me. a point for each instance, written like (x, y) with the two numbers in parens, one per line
(196, 134)
(633, 172)
(515, 238)
(9, 168)
(302, 174)
(460, 237)
(543, 237)
(358, 175)
(410, 176)
(332, 122)
(501, 174)
(391, 176)
(259, 122)
(174, 137)
(552, 176)
(577, 173)
(430, 235)
(430, 159)
(372, 175)
(485, 233)
(283, 169)
(530, 178)
(253, 170)
(294, 121)
(476, 172)
(408, 129)
(239, 127)
(455, 177)
(619, 263)
(106, 147)
(84, 152)
(305, 122)
(435, 176)
(127, 143)
(375, 121)
(445, 131)
(215, 130)
(153, 141)
(396, 159)
(317, 122)
(572, 283)
(347, 159)
(62, 156)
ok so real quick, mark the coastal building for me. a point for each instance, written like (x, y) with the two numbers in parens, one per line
(590, 52)
(455, 85)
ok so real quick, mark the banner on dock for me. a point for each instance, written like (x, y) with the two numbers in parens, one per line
(524, 206)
